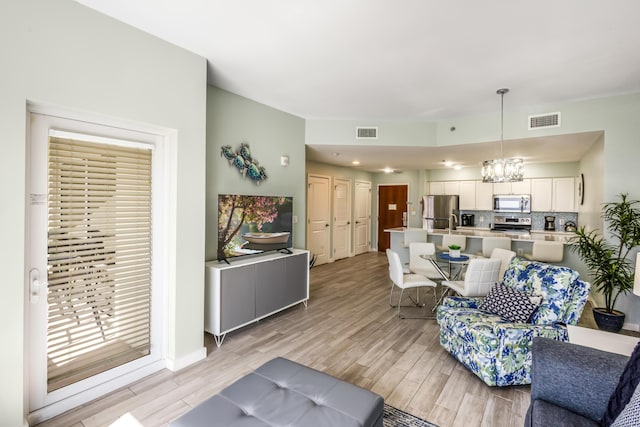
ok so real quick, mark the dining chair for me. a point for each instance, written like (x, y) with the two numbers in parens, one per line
(505, 256)
(420, 265)
(490, 243)
(547, 251)
(481, 275)
(405, 281)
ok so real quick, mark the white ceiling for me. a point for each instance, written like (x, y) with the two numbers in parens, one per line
(380, 60)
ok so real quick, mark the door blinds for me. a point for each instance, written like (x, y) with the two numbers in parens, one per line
(99, 258)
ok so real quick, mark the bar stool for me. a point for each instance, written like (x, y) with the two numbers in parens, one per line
(453, 239)
(490, 243)
(547, 251)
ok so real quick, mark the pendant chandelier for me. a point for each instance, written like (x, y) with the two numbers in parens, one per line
(502, 170)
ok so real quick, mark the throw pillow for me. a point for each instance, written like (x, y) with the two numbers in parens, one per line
(630, 415)
(511, 305)
(627, 384)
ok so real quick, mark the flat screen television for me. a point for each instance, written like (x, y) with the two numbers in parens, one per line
(249, 225)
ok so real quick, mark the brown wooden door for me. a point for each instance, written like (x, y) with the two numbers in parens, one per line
(392, 203)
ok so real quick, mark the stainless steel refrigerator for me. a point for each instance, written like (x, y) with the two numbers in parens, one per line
(437, 211)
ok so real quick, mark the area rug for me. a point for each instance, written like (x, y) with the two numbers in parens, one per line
(394, 417)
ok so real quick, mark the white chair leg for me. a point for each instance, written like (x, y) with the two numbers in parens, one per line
(391, 294)
(399, 301)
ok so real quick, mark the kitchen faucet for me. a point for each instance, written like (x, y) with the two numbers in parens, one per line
(452, 224)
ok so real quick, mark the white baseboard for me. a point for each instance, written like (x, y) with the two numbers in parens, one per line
(196, 356)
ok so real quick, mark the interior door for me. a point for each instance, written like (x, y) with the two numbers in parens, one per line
(341, 218)
(362, 205)
(392, 211)
(319, 217)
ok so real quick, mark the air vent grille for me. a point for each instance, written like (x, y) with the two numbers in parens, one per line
(366, 133)
(549, 120)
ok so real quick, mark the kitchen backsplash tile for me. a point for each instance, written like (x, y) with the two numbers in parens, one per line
(484, 219)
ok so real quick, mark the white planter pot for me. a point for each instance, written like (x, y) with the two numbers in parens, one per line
(454, 253)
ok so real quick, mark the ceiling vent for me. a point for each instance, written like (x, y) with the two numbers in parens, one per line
(543, 121)
(366, 133)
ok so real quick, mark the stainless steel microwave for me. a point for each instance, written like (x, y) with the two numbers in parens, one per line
(512, 203)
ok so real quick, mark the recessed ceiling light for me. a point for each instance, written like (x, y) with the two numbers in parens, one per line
(335, 154)
(447, 163)
(355, 162)
(457, 167)
(387, 170)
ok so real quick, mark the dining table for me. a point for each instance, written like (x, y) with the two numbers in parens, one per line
(455, 270)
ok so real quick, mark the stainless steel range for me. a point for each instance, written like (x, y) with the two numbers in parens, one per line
(511, 224)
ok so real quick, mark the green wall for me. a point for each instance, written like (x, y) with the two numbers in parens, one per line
(59, 53)
(270, 133)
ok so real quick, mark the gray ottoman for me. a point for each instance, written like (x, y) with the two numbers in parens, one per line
(285, 393)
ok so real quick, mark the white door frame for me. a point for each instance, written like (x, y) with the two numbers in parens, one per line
(42, 405)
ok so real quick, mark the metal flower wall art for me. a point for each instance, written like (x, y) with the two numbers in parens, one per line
(245, 164)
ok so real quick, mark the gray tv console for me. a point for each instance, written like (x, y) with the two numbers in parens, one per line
(250, 289)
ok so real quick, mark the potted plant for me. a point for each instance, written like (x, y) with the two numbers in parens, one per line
(611, 270)
(454, 251)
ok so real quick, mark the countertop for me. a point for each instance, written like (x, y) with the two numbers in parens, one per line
(480, 232)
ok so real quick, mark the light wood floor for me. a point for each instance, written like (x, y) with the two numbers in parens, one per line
(349, 331)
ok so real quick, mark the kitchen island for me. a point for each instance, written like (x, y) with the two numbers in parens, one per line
(521, 242)
(401, 237)
(519, 236)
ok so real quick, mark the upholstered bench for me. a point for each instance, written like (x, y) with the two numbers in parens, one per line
(285, 393)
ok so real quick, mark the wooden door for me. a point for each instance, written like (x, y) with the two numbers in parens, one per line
(392, 211)
(341, 218)
(362, 217)
(318, 217)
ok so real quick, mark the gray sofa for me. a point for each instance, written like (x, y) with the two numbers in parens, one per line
(571, 384)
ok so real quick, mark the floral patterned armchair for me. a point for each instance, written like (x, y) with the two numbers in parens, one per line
(497, 350)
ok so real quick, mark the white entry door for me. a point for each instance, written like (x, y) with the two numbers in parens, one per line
(90, 227)
(341, 218)
(318, 217)
(362, 217)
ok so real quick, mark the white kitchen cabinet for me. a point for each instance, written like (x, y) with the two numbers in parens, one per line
(502, 188)
(484, 196)
(467, 195)
(436, 188)
(547, 194)
(541, 194)
(564, 196)
(452, 188)
(553, 195)
(449, 188)
(476, 195)
(522, 187)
